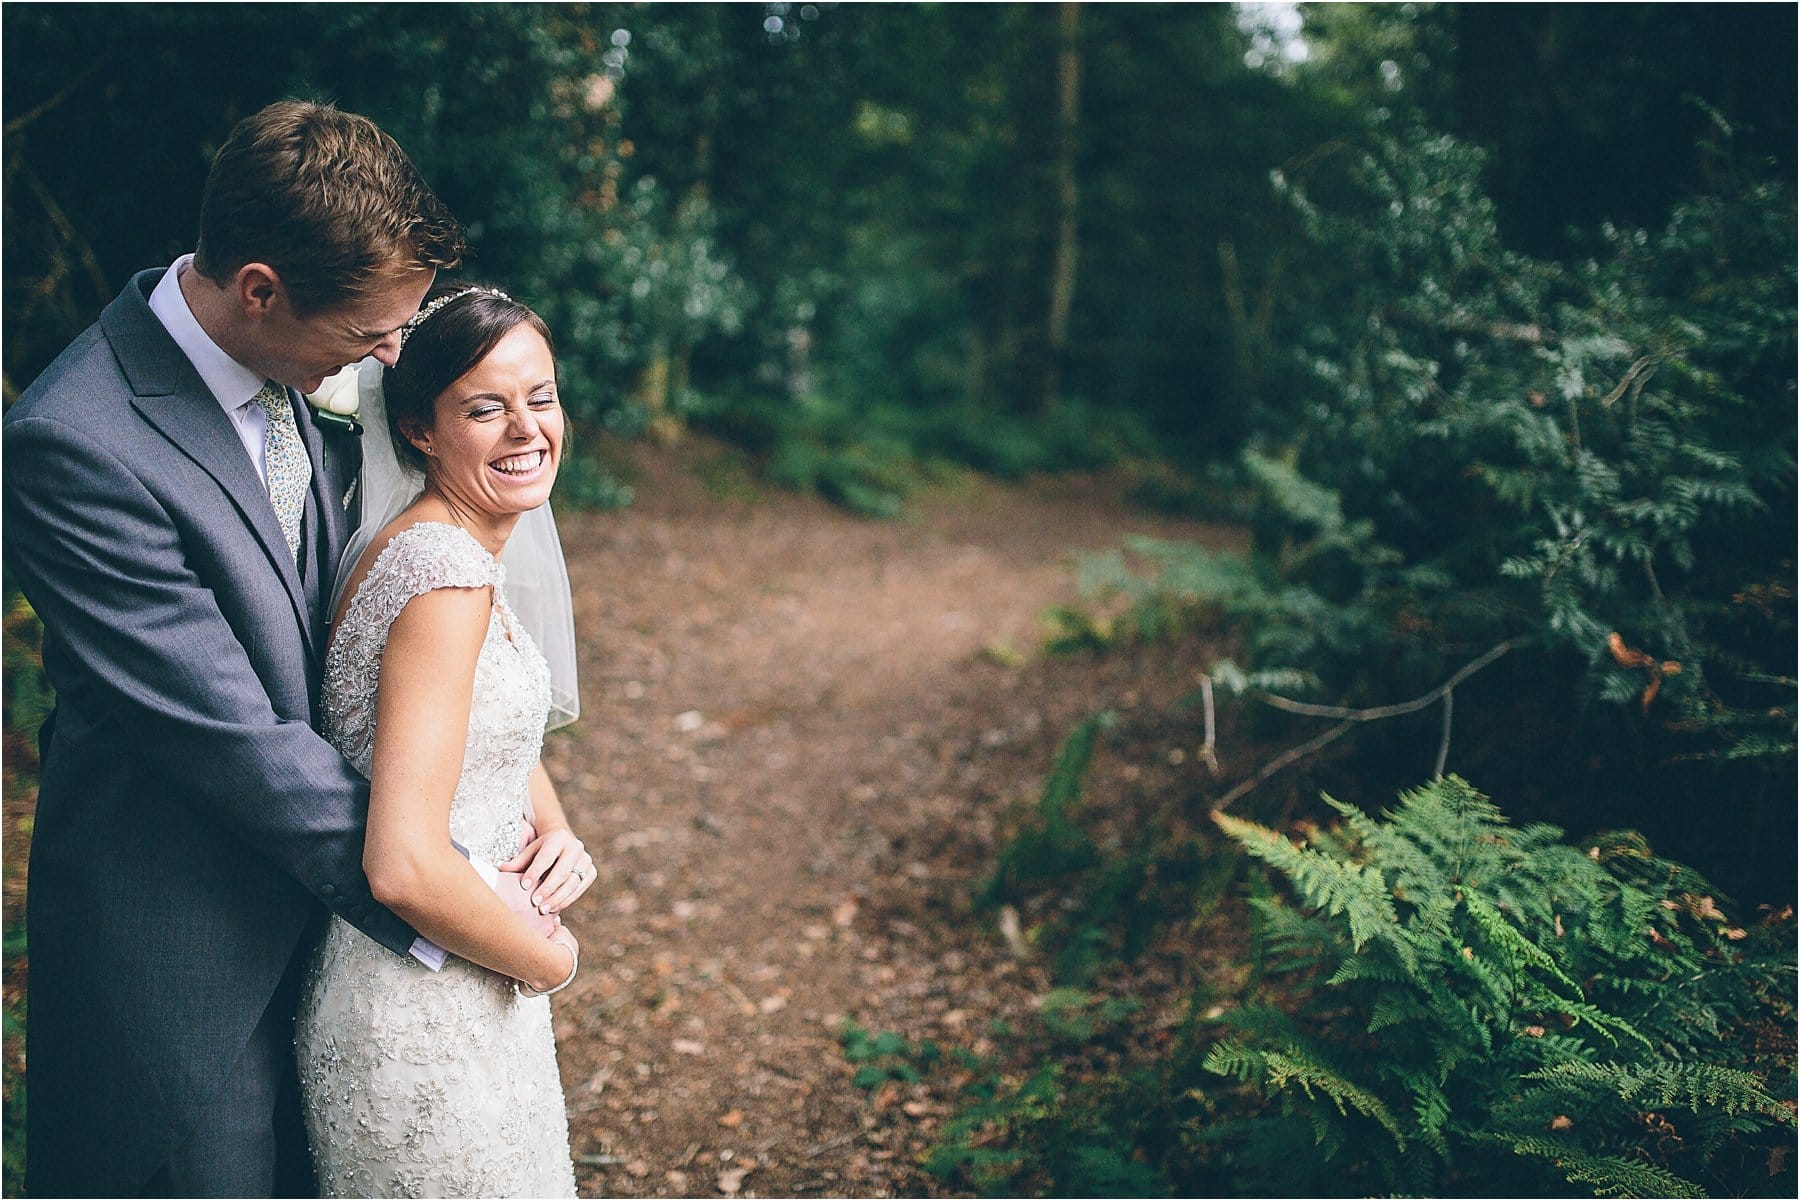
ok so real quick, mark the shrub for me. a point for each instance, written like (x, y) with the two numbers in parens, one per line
(1594, 460)
(1437, 1003)
(1452, 1004)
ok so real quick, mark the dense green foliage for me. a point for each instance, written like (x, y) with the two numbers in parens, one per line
(1591, 463)
(857, 237)
(1439, 1003)
(1451, 1004)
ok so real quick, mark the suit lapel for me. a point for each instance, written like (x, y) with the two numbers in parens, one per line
(170, 396)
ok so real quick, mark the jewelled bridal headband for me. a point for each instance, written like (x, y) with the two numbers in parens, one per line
(419, 318)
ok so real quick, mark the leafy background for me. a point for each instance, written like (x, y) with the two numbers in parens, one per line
(1479, 318)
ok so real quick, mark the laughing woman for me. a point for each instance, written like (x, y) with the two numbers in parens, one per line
(422, 1083)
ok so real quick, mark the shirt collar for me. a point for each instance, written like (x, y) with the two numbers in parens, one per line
(231, 383)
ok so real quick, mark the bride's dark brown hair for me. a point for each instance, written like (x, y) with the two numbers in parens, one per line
(442, 348)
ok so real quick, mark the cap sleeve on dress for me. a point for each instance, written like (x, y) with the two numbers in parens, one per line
(421, 559)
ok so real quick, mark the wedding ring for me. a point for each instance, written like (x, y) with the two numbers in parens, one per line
(579, 875)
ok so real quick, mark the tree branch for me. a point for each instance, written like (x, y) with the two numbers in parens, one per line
(1209, 753)
(1351, 718)
(1444, 739)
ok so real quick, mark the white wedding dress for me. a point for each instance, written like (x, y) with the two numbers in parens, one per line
(420, 1083)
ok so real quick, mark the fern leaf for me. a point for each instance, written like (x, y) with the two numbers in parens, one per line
(1293, 1067)
(1357, 893)
(1610, 1175)
(1520, 952)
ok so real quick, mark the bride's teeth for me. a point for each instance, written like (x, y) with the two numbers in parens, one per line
(520, 464)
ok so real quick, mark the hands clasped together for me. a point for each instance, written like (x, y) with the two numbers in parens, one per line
(550, 872)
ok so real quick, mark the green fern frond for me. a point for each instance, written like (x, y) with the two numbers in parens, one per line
(1692, 1086)
(1357, 893)
(1292, 1067)
(1603, 1023)
(1519, 951)
(1610, 1175)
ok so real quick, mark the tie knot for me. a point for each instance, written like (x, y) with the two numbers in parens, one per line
(273, 398)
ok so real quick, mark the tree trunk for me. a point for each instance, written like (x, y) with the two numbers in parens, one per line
(1068, 197)
(653, 394)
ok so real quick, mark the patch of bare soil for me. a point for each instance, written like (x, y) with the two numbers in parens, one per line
(796, 755)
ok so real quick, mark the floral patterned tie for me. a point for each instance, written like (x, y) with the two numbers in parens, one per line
(285, 463)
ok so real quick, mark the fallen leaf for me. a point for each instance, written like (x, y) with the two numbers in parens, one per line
(1562, 1121)
(732, 1120)
(638, 1168)
(731, 1180)
(1534, 1032)
(1706, 908)
(1733, 933)
(1010, 931)
(1627, 656)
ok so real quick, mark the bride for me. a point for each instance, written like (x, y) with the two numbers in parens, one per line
(415, 1082)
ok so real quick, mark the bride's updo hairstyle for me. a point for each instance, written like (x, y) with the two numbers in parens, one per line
(458, 326)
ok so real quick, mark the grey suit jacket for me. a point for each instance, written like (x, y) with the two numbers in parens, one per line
(191, 822)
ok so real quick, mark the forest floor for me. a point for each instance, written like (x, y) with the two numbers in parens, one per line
(803, 734)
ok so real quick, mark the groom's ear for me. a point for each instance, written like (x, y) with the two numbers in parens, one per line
(258, 289)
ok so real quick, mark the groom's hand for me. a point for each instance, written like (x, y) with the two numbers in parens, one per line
(515, 890)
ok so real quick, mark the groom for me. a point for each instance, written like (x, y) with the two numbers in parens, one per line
(175, 518)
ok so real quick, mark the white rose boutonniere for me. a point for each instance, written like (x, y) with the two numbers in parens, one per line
(339, 400)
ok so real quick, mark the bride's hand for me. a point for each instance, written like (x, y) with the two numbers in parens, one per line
(558, 866)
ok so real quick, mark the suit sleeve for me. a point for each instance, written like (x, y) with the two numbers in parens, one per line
(101, 561)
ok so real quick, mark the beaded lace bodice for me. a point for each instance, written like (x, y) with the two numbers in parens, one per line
(418, 1083)
(512, 682)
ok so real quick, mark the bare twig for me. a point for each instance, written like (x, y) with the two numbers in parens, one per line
(70, 235)
(1281, 761)
(745, 1005)
(1351, 718)
(32, 114)
(1444, 741)
(830, 1144)
(1634, 379)
(1209, 751)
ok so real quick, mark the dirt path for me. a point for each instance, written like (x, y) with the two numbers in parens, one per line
(793, 758)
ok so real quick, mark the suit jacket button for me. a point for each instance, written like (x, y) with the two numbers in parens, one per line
(328, 890)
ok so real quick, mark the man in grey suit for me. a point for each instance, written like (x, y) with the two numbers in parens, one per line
(175, 518)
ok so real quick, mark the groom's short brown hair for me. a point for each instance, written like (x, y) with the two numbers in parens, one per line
(325, 198)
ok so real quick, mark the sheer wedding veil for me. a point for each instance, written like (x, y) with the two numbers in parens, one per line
(537, 577)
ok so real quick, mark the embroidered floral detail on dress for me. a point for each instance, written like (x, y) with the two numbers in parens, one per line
(419, 1083)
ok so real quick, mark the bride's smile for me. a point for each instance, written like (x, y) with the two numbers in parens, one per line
(496, 437)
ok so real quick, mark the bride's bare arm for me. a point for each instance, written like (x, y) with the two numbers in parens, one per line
(421, 728)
